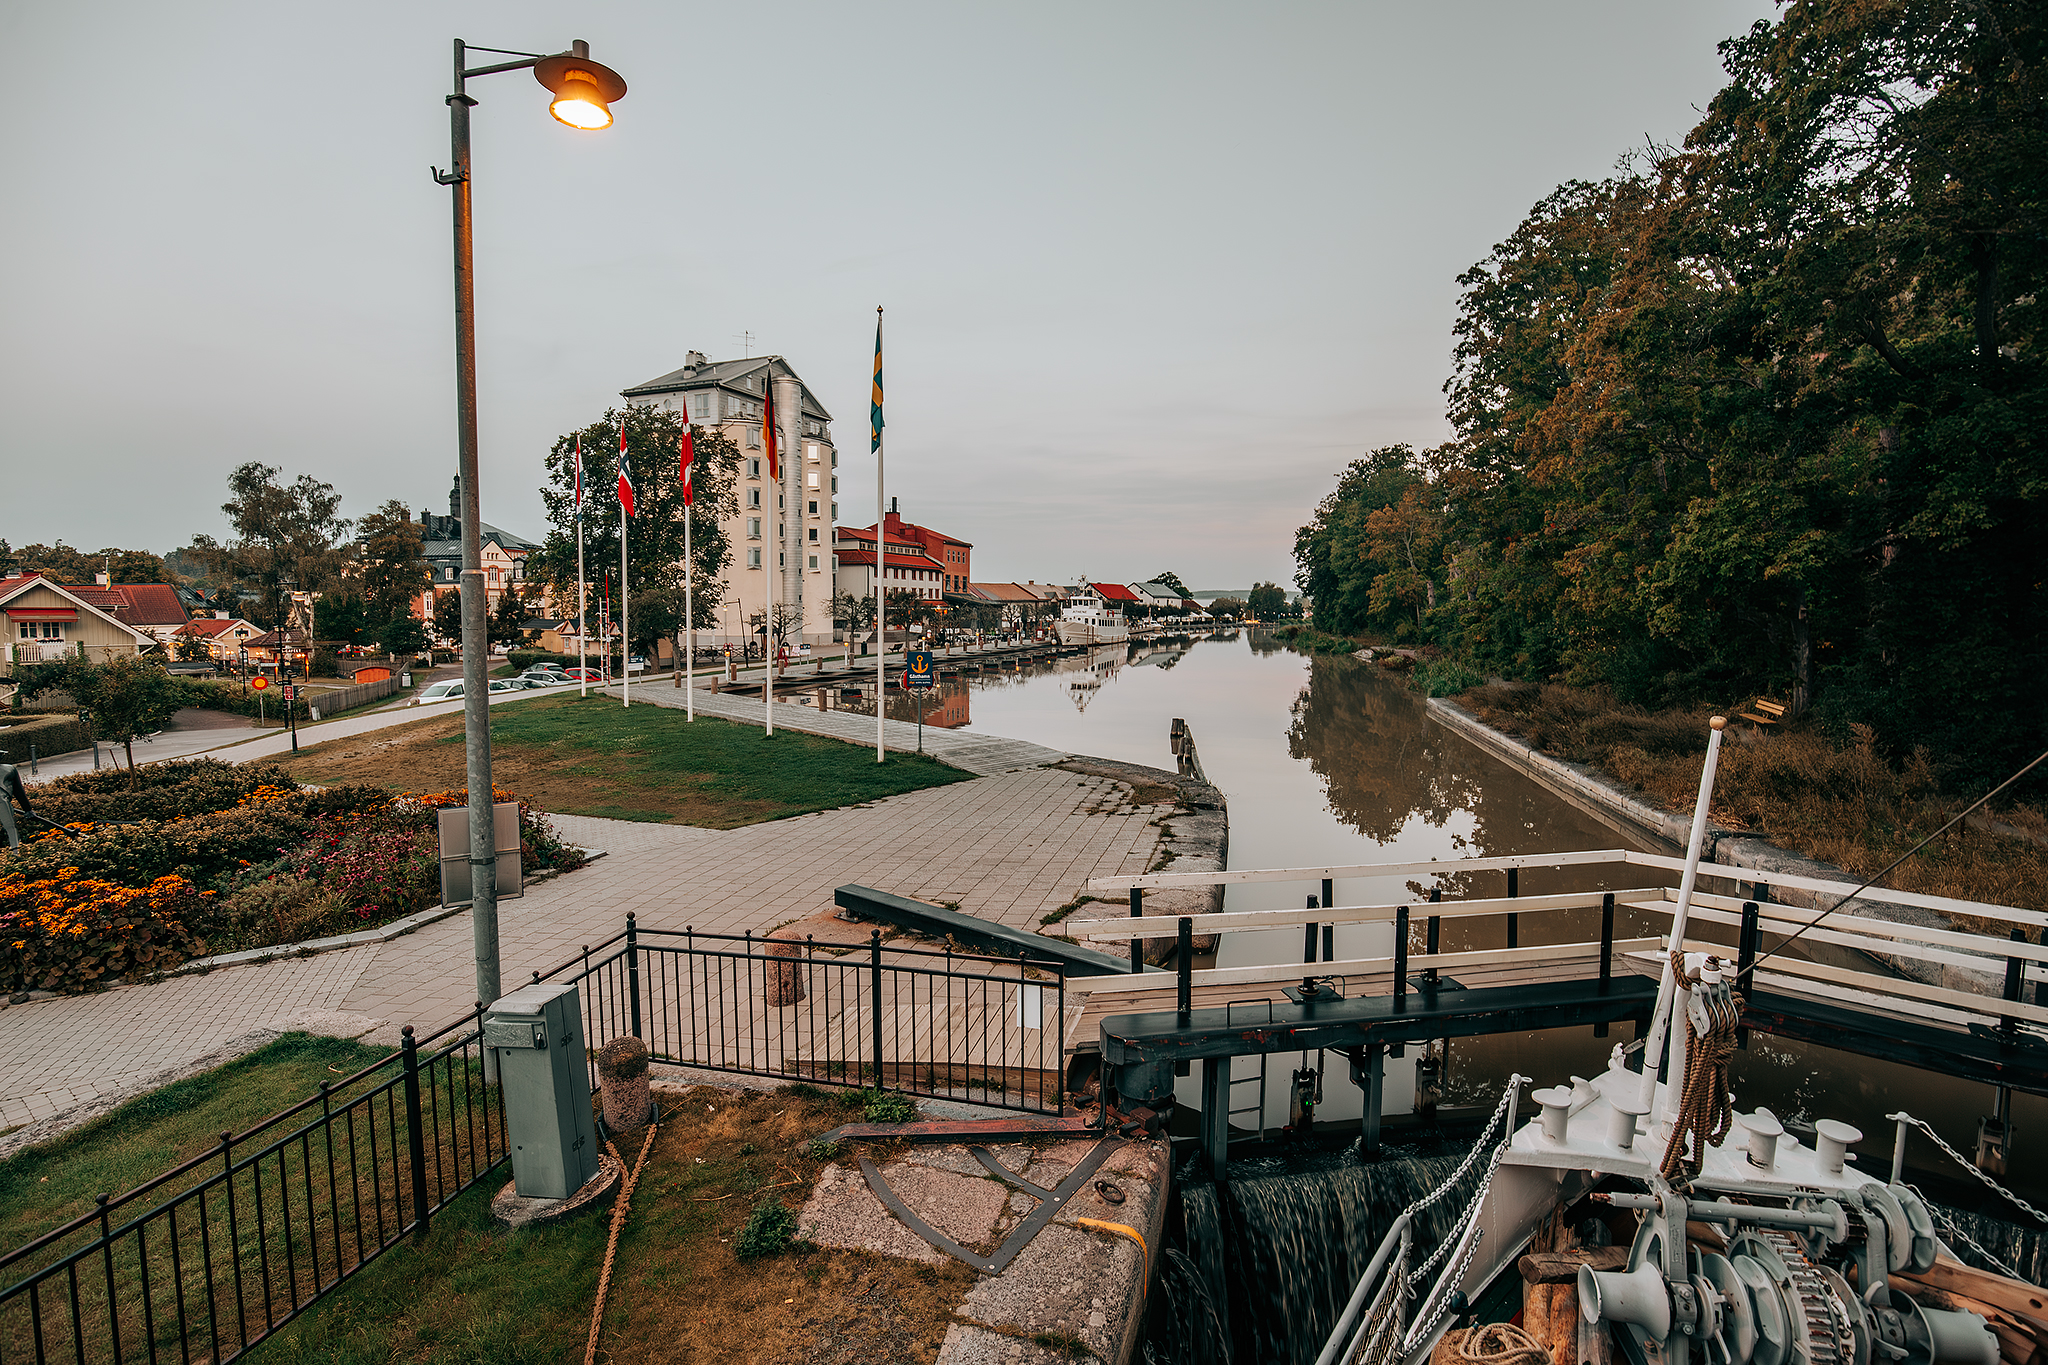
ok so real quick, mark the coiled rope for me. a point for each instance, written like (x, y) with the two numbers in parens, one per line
(1705, 1113)
(611, 1247)
(1501, 1343)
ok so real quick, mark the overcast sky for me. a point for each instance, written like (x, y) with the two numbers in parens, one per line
(1154, 272)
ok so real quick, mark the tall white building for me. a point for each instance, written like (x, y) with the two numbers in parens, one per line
(782, 534)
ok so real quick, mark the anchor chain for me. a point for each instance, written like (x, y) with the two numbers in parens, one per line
(1973, 1168)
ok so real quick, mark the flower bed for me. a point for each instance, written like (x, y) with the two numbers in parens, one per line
(223, 858)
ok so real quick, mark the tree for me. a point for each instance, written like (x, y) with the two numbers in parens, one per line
(853, 611)
(65, 565)
(288, 538)
(655, 531)
(907, 607)
(1267, 601)
(1337, 560)
(342, 618)
(1171, 580)
(448, 618)
(1233, 607)
(392, 568)
(504, 623)
(127, 696)
(403, 636)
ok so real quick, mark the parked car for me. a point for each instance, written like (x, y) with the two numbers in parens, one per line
(507, 685)
(546, 677)
(582, 675)
(444, 690)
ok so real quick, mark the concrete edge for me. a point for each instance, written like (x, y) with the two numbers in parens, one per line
(84, 1112)
(1195, 838)
(1599, 797)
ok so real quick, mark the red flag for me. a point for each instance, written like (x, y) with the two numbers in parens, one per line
(768, 426)
(579, 474)
(689, 458)
(625, 472)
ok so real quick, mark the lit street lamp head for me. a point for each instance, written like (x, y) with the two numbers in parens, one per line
(584, 90)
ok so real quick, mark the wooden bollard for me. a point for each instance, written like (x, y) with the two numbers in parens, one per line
(786, 971)
(622, 1084)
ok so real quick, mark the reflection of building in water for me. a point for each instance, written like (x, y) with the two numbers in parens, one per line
(947, 709)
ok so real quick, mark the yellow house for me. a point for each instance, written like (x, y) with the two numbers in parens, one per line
(40, 621)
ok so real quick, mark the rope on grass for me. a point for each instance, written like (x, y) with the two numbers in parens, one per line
(611, 1246)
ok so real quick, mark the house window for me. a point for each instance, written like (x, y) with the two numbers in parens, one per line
(835, 506)
(813, 480)
(44, 630)
(753, 528)
(811, 451)
(754, 558)
(835, 484)
(814, 535)
(753, 469)
(814, 561)
(835, 458)
(814, 507)
(753, 497)
(754, 443)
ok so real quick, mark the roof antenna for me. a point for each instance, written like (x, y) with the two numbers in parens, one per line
(746, 345)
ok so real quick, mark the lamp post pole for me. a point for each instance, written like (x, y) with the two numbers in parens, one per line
(583, 91)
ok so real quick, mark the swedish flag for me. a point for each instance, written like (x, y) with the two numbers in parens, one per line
(875, 402)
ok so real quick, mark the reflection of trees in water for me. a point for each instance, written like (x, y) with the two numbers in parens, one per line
(1380, 759)
(1383, 762)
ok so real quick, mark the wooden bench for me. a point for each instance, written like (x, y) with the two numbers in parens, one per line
(1773, 712)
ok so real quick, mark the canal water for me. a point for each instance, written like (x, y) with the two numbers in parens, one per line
(1331, 761)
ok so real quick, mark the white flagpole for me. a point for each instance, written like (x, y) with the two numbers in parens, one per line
(625, 650)
(881, 559)
(689, 623)
(582, 613)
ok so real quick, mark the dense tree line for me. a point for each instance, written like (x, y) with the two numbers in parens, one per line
(1760, 413)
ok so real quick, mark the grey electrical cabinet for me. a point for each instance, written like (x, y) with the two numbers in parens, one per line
(537, 1033)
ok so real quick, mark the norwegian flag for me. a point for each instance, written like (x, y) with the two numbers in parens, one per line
(579, 476)
(625, 473)
(688, 449)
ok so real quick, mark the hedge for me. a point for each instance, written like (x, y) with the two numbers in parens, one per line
(58, 734)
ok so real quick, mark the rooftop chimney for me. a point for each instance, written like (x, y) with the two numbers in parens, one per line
(104, 580)
(892, 504)
(694, 361)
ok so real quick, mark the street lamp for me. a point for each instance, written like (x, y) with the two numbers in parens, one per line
(583, 93)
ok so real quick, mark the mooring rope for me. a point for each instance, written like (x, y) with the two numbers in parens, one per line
(1501, 1343)
(1705, 1112)
(611, 1247)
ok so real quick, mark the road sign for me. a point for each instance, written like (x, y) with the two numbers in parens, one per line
(259, 682)
(290, 693)
(917, 669)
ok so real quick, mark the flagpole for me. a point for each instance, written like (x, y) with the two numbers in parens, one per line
(582, 595)
(689, 624)
(881, 554)
(625, 649)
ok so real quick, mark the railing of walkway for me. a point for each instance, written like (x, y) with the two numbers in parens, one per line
(209, 1258)
(953, 1025)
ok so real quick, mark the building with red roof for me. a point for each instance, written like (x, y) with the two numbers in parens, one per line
(152, 608)
(930, 563)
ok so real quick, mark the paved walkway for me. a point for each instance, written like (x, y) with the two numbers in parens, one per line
(1011, 847)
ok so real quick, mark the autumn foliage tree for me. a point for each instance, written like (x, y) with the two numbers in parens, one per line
(1763, 412)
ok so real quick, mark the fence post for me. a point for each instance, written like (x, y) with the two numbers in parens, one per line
(633, 970)
(1606, 951)
(1184, 961)
(1137, 944)
(1432, 928)
(107, 1258)
(875, 998)
(2015, 975)
(1400, 956)
(416, 1137)
(1514, 920)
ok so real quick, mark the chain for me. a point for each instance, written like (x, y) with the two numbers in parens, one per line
(1507, 1098)
(1973, 1168)
(1456, 1274)
(1950, 1226)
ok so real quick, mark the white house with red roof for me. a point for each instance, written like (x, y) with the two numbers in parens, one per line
(41, 621)
(222, 635)
(152, 608)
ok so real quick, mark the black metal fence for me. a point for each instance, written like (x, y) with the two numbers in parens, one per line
(207, 1259)
(964, 1026)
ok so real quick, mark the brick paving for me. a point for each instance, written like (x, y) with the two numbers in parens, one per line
(1010, 847)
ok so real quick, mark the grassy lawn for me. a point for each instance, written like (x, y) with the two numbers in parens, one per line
(471, 1292)
(590, 756)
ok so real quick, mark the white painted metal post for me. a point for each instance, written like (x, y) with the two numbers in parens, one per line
(1667, 986)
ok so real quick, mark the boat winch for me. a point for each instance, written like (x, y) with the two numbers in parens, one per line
(1805, 1281)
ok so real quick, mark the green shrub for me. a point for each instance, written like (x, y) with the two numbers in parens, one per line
(1444, 678)
(67, 932)
(161, 791)
(886, 1106)
(769, 1231)
(52, 734)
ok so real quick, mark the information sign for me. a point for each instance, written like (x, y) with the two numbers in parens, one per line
(291, 693)
(918, 671)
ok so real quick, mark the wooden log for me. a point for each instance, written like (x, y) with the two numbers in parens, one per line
(2024, 1299)
(1536, 1311)
(1595, 1343)
(1562, 1267)
(1563, 1340)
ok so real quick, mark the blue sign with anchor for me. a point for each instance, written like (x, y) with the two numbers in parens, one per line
(917, 669)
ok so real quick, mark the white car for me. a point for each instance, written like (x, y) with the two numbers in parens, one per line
(445, 690)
